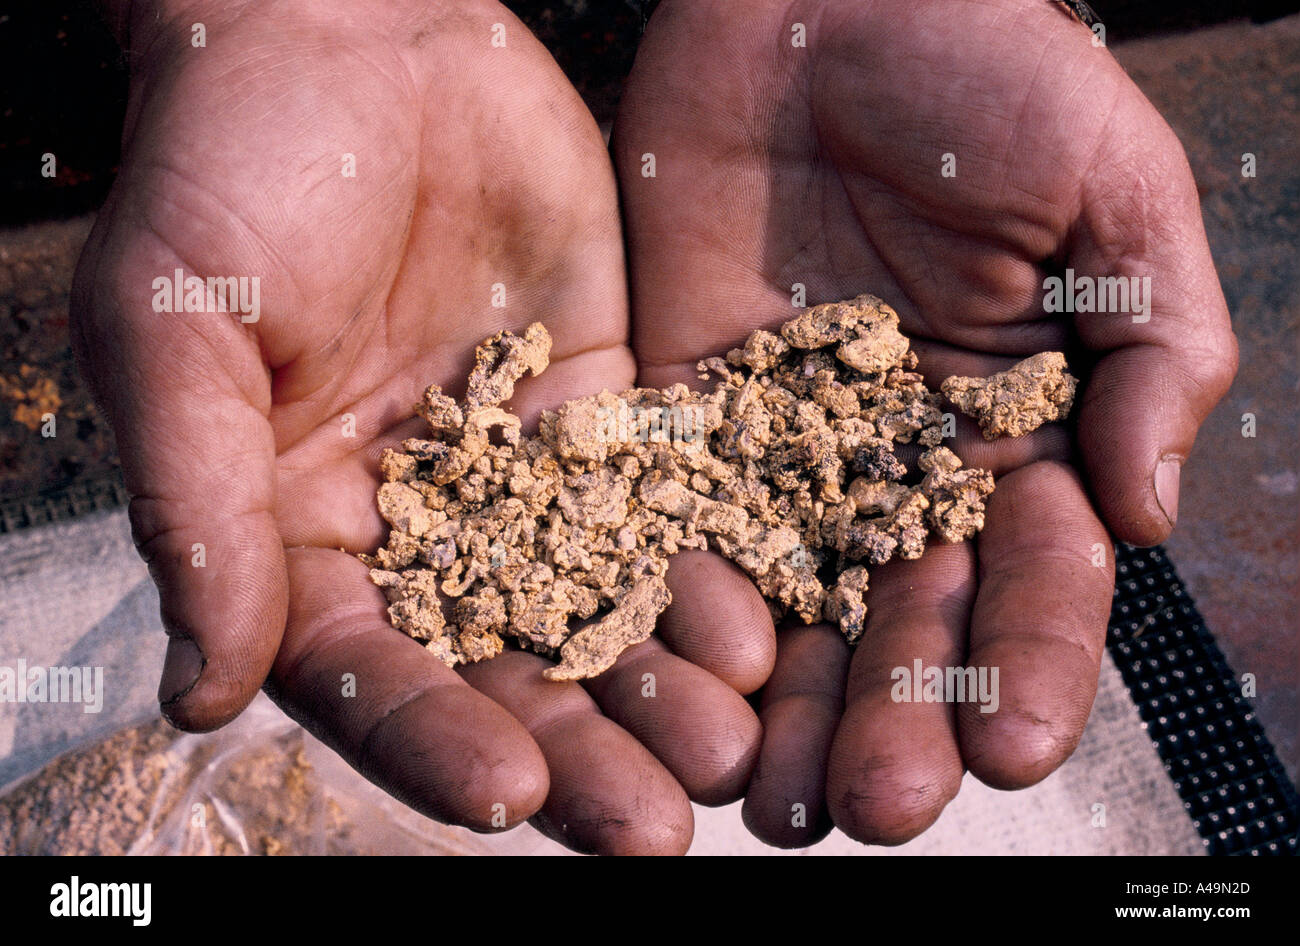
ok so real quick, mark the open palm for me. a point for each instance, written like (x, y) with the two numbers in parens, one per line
(391, 174)
(945, 157)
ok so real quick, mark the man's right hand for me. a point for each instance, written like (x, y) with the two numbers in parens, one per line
(250, 448)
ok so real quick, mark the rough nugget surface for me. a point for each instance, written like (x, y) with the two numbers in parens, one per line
(787, 467)
(1018, 400)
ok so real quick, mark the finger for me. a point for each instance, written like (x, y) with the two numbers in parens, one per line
(701, 729)
(785, 804)
(608, 794)
(187, 396)
(397, 714)
(718, 620)
(894, 762)
(1046, 581)
(1167, 365)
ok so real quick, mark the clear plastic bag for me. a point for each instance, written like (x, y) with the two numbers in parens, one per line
(261, 785)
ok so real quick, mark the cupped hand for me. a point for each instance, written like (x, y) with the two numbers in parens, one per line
(947, 157)
(402, 180)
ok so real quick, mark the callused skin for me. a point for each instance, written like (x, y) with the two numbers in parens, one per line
(945, 158)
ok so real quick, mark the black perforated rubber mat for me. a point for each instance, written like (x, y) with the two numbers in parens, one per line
(1224, 768)
(94, 495)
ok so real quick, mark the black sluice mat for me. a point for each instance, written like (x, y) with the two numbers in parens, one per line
(1223, 766)
(93, 495)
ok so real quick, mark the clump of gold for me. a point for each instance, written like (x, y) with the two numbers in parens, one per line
(787, 467)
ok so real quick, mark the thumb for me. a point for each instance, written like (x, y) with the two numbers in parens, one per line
(1171, 356)
(187, 395)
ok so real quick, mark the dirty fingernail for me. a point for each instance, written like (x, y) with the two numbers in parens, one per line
(1167, 475)
(181, 669)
